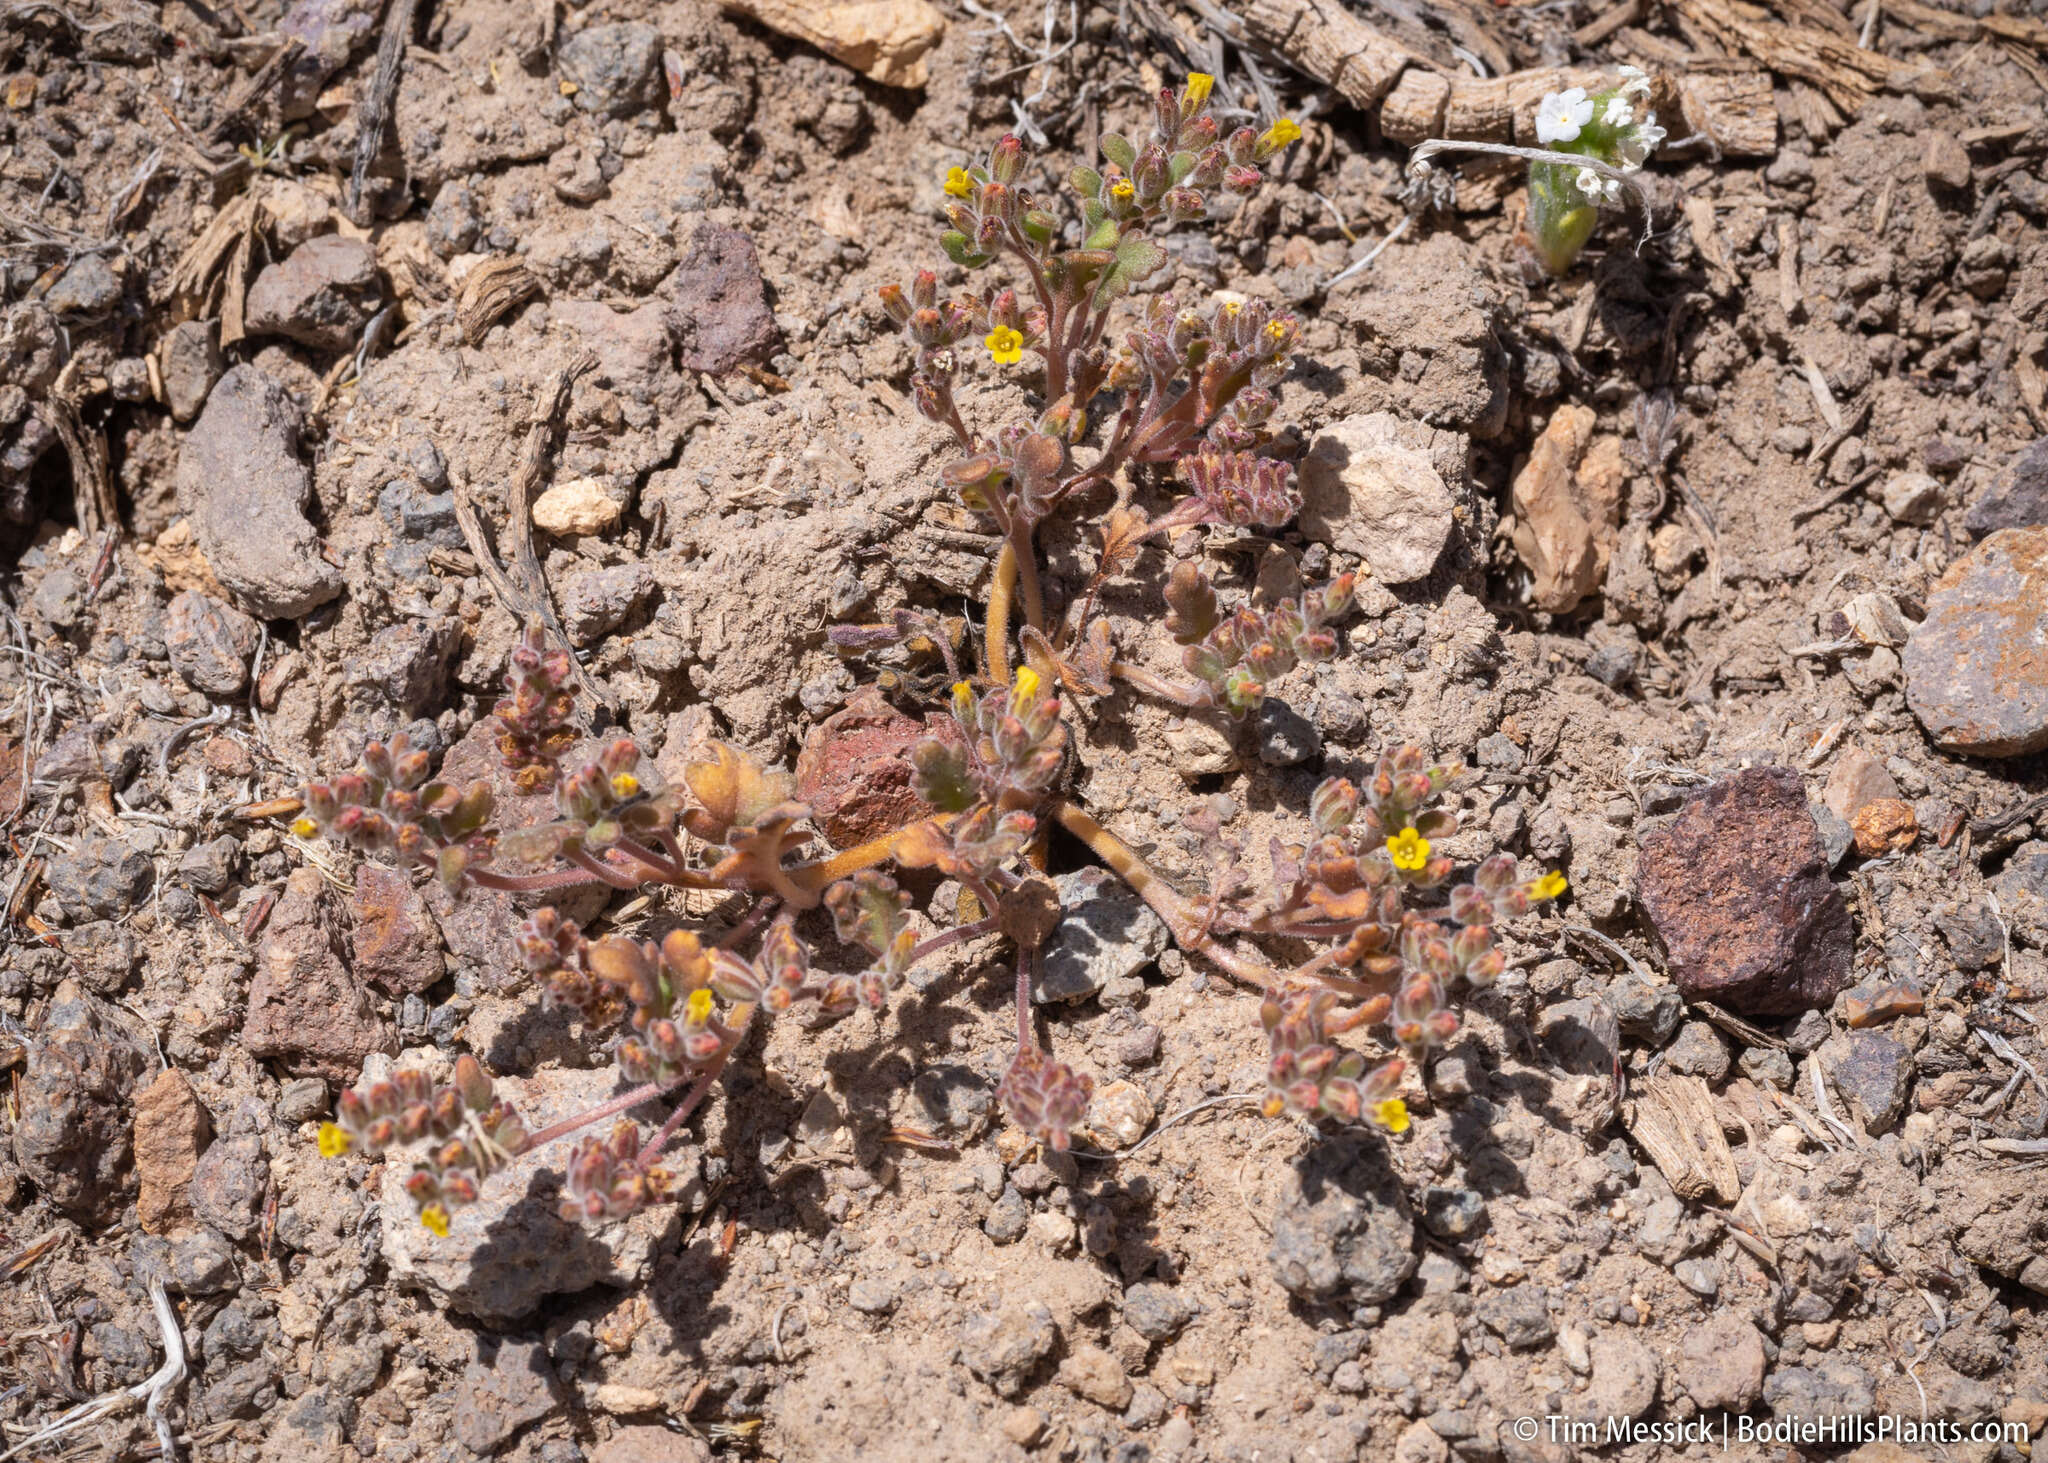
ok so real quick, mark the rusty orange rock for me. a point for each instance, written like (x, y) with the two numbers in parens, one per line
(1884, 825)
(855, 771)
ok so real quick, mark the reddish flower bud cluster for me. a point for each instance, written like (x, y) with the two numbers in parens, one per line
(387, 806)
(469, 1134)
(1238, 656)
(603, 1179)
(534, 712)
(1045, 1098)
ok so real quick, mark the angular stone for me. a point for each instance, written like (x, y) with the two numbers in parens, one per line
(717, 304)
(1855, 779)
(1828, 1391)
(2022, 890)
(404, 668)
(102, 877)
(598, 601)
(1382, 488)
(1977, 666)
(1105, 933)
(1568, 509)
(512, 1249)
(171, 1127)
(190, 362)
(1736, 893)
(1626, 1379)
(1873, 1074)
(578, 507)
(305, 1008)
(1342, 1227)
(1093, 1373)
(2018, 499)
(884, 40)
(1156, 1312)
(1884, 825)
(1912, 497)
(209, 643)
(513, 1385)
(1519, 1315)
(242, 485)
(855, 774)
(396, 943)
(1721, 1364)
(229, 1183)
(321, 294)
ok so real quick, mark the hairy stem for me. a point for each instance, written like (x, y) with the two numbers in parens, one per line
(1152, 685)
(1027, 574)
(1180, 915)
(985, 926)
(602, 1111)
(598, 869)
(1026, 955)
(651, 1149)
(995, 635)
(810, 878)
(530, 883)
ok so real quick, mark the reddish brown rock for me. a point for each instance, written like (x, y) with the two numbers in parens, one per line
(305, 1008)
(1736, 892)
(171, 1128)
(855, 771)
(396, 942)
(1977, 666)
(717, 304)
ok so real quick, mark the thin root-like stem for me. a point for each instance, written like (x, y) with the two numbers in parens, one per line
(995, 636)
(530, 883)
(810, 878)
(954, 936)
(651, 1149)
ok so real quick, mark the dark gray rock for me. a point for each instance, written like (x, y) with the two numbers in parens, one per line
(1007, 1217)
(1699, 1052)
(1648, 1010)
(72, 1137)
(59, 600)
(598, 601)
(241, 483)
(508, 1388)
(616, 68)
(1286, 737)
(1453, 1214)
(455, 220)
(1873, 1073)
(1976, 939)
(2022, 890)
(2018, 499)
(100, 876)
(1106, 933)
(405, 666)
(87, 287)
(106, 954)
(1157, 1312)
(1519, 1315)
(228, 1185)
(191, 364)
(1342, 1227)
(321, 294)
(1830, 1390)
(209, 867)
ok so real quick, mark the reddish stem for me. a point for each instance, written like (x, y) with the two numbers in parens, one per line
(602, 1111)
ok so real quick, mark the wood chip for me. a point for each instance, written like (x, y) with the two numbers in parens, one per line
(1672, 1116)
(492, 290)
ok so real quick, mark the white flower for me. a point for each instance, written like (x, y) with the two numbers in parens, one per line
(1635, 82)
(1619, 113)
(1561, 114)
(1597, 189)
(1639, 141)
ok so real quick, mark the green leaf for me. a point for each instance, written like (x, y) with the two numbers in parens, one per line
(1104, 236)
(941, 777)
(1137, 256)
(1117, 148)
(960, 249)
(1085, 181)
(1179, 166)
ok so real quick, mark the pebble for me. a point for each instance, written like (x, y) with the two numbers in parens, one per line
(1004, 1346)
(102, 877)
(1519, 1315)
(228, 1185)
(74, 1101)
(598, 601)
(1721, 1364)
(616, 69)
(1945, 162)
(1105, 933)
(306, 1007)
(88, 286)
(190, 363)
(1286, 737)
(1830, 1390)
(1567, 501)
(2017, 499)
(1156, 1311)
(209, 643)
(1977, 666)
(1091, 1372)
(241, 483)
(1699, 1052)
(509, 1387)
(1453, 1214)
(396, 943)
(1736, 891)
(1873, 1074)
(1374, 486)
(1007, 1218)
(716, 304)
(2022, 890)
(872, 1296)
(1912, 497)
(321, 294)
(578, 507)
(1648, 1010)
(1342, 1226)
(171, 1128)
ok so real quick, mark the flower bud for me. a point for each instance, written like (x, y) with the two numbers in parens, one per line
(1006, 160)
(1241, 145)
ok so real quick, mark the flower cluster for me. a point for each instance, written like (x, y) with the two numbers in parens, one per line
(1233, 658)
(1010, 749)
(604, 1178)
(463, 1131)
(1615, 131)
(388, 806)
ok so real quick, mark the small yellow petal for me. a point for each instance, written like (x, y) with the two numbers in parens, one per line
(1550, 885)
(334, 1140)
(1282, 132)
(1392, 1115)
(963, 698)
(1122, 188)
(625, 785)
(304, 827)
(958, 184)
(698, 1008)
(1200, 84)
(1027, 683)
(435, 1218)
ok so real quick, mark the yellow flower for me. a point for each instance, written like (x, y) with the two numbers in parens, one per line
(435, 1218)
(334, 1140)
(1200, 84)
(303, 827)
(698, 1008)
(1409, 850)
(1281, 133)
(958, 184)
(1005, 345)
(1122, 189)
(1391, 1115)
(625, 785)
(1027, 683)
(963, 699)
(1274, 1105)
(1549, 886)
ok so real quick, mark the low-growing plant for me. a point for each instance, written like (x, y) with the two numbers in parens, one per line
(1394, 937)
(1614, 132)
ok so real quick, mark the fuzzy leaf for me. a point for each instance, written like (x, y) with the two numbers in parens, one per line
(1085, 181)
(1103, 236)
(940, 775)
(1117, 148)
(1179, 166)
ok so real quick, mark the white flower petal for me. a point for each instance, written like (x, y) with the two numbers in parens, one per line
(1619, 113)
(1589, 183)
(1561, 115)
